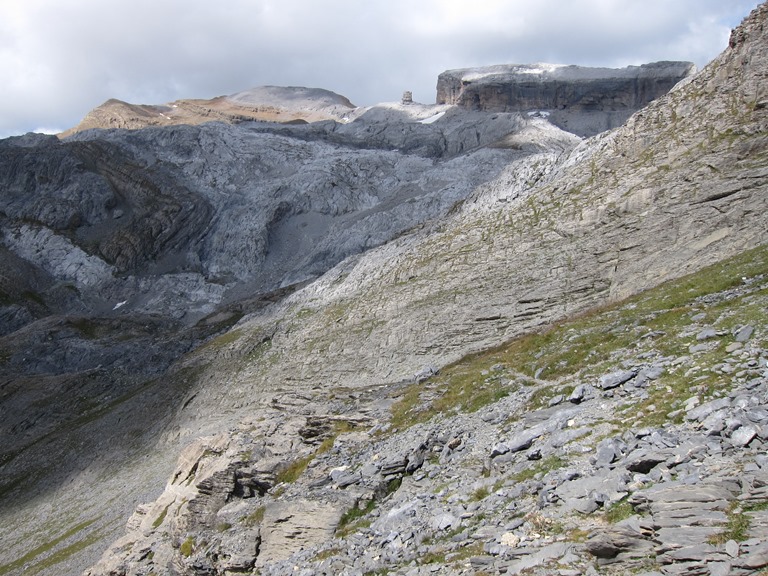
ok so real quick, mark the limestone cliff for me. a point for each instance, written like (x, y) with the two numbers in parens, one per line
(583, 100)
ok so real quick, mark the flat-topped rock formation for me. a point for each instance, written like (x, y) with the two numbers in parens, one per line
(576, 98)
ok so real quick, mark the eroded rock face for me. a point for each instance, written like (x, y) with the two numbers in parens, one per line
(583, 100)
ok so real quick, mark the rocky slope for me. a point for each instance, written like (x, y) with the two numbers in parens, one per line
(630, 439)
(307, 405)
(576, 98)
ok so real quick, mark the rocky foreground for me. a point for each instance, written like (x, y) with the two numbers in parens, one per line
(629, 440)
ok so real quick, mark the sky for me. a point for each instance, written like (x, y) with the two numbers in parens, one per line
(61, 58)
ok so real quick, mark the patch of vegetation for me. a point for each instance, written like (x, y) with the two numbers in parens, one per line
(296, 468)
(393, 485)
(325, 554)
(540, 467)
(461, 387)
(223, 526)
(187, 547)
(34, 297)
(619, 511)
(577, 535)
(737, 527)
(223, 340)
(756, 507)
(586, 345)
(351, 519)
(480, 494)
(542, 395)
(64, 554)
(462, 554)
(254, 518)
(433, 557)
(305, 313)
(55, 558)
(161, 517)
(86, 326)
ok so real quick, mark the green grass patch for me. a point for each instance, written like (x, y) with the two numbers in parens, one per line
(351, 520)
(34, 297)
(161, 517)
(480, 494)
(619, 511)
(354, 518)
(254, 518)
(461, 387)
(737, 527)
(87, 327)
(756, 507)
(223, 340)
(29, 557)
(540, 467)
(187, 547)
(325, 554)
(295, 469)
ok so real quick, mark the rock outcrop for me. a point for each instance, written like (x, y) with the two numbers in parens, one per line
(579, 99)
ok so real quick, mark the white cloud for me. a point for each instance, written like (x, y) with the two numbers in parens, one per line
(60, 59)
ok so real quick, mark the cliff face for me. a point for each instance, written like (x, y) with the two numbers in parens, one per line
(583, 100)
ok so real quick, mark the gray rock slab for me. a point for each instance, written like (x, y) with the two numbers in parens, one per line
(706, 334)
(644, 461)
(719, 568)
(744, 333)
(610, 541)
(743, 436)
(704, 410)
(680, 536)
(615, 379)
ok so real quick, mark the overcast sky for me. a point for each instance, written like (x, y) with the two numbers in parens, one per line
(61, 58)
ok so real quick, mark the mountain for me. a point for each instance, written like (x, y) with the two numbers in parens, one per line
(583, 100)
(428, 340)
(265, 103)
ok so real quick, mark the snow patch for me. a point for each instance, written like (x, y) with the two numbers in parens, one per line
(432, 119)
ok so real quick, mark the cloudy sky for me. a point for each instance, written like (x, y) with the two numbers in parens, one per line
(61, 58)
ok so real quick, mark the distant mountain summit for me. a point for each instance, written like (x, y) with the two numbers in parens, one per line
(264, 103)
(578, 99)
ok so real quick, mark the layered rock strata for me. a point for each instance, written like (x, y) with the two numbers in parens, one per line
(580, 99)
